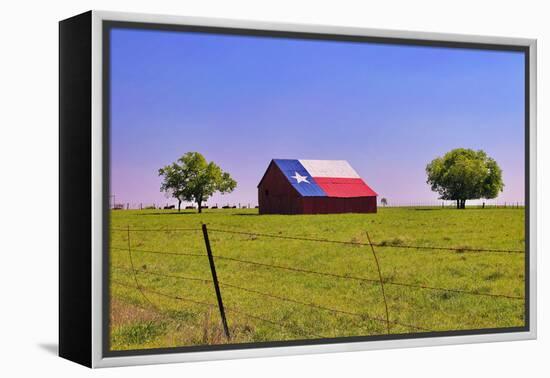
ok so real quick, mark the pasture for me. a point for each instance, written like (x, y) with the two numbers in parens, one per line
(177, 306)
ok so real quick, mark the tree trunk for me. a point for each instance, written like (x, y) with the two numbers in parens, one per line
(179, 205)
(199, 203)
(458, 204)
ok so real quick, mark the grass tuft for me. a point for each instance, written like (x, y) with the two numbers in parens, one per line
(138, 333)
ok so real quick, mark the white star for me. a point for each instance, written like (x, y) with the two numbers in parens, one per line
(299, 178)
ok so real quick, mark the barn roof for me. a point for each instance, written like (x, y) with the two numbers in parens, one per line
(323, 178)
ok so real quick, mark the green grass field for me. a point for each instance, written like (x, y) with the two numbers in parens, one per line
(167, 312)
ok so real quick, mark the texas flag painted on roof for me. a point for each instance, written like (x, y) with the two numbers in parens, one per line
(324, 178)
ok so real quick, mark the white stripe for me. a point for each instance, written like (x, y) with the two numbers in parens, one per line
(329, 168)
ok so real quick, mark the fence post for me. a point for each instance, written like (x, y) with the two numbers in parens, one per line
(138, 286)
(215, 280)
(381, 283)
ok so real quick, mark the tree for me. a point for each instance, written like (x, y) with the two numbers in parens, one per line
(463, 174)
(384, 202)
(191, 178)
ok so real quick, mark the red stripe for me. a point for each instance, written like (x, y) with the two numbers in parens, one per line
(344, 187)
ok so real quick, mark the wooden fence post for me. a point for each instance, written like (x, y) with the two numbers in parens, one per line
(381, 283)
(215, 280)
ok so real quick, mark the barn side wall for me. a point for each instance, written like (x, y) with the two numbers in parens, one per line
(332, 205)
(276, 195)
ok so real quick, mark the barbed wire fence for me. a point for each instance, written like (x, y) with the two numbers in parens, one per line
(218, 285)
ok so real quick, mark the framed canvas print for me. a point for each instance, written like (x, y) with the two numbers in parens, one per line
(234, 189)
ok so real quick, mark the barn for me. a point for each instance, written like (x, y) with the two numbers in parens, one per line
(291, 186)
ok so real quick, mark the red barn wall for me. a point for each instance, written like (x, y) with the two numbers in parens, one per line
(334, 205)
(276, 195)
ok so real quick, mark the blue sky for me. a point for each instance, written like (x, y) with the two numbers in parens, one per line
(242, 100)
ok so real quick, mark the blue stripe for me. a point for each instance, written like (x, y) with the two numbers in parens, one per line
(293, 170)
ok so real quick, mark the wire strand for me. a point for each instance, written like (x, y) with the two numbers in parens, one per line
(278, 297)
(134, 271)
(456, 249)
(381, 245)
(231, 308)
(340, 276)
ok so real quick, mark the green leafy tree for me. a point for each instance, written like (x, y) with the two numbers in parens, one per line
(463, 174)
(191, 178)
